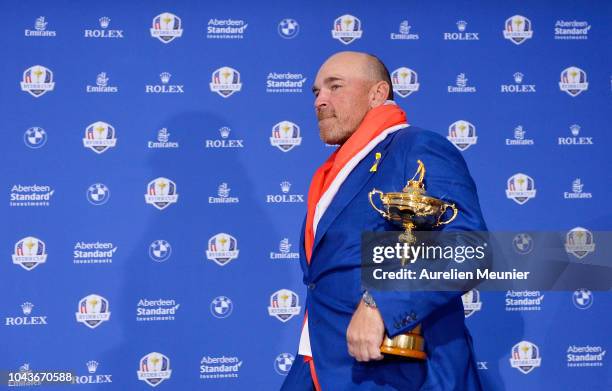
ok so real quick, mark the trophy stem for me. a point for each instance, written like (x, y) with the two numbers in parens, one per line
(407, 237)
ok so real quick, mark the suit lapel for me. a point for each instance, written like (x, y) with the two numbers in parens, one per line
(353, 184)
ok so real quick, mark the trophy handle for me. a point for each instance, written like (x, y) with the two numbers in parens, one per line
(380, 194)
(455, 211)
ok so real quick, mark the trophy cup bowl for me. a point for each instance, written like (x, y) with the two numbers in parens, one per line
(411, 209)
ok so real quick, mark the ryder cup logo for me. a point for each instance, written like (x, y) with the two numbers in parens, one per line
(284, 305)
(37, 80)
(225, 81)
(573, 81)
(288, 28)
(221, 307)
(518, 29)
(166, 27)
(525, 356)
(521, 188)
(285, 136)
(283, 363)
(579, 242)
(99, 137)
(471, 302)
(405, 81)
(347, 28)
(35, 137)
(161, 193)
(98, 194)
(582, 298)
(29, 253)
(154, 369)
(160, 250)
(462, 134)
(93, 310)
(222, 248)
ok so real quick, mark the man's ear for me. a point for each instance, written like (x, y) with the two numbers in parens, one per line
(378, 93)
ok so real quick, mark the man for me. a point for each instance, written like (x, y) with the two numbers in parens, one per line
(344, 326)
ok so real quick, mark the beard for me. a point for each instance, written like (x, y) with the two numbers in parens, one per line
(330, 130)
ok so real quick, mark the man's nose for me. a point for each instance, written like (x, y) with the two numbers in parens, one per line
(321, 101)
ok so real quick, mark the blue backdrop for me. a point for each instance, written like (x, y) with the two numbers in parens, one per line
(157, 157)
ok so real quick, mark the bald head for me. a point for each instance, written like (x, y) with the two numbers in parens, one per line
(362, 65)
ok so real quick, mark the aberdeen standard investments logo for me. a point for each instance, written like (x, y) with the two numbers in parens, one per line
(161, 193)
(347, 28)
(93, 311)
(285, 136)
(29, 253)
(154, 368)
(225, 82)
(521, 188)
(30, 195)
(166, 27)
(284, 305)
(222, 248)
(518, 29)
(37, 80)
(525, 356)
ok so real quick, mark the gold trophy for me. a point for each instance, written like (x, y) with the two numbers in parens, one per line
(411, 208)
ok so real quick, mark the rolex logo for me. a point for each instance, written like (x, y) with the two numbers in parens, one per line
(461, 25)
(104, 21)
(575, 129)
(225, 131)
(518, 77)
(165, 77)
(285, 187)
(92, 366)
(27, 308)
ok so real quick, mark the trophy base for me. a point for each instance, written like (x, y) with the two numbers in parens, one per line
(404, 352)
(406, 345)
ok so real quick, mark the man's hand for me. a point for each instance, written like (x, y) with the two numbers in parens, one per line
(365, 333)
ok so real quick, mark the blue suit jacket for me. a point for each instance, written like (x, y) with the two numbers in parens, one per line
(334, 275)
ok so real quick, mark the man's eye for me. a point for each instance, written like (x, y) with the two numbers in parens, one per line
(335, 87)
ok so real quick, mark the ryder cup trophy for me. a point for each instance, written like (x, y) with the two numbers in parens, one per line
(411, 209)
